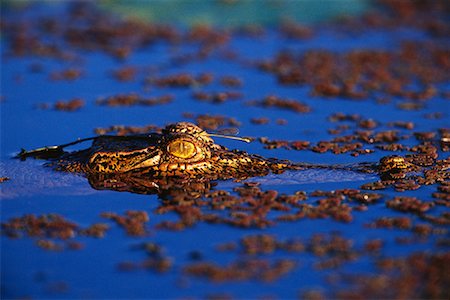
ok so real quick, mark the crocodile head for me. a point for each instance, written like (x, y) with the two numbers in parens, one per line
(182, 149)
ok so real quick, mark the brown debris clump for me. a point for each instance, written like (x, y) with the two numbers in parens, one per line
(332, 207)
(276, 144)
(96, 230)
(260, 121)
(127, 130)
(182, 80)
(217, 97)
(402, 124)
(391, 222)
(69, 74)
(409, 204)
(45, 226)
(133, 222)
(231, 81)
(254, 269)
(133, 99)
(336, 148)
(49, 245)
(71, 105)
(52, 227)
(214, 122)
(287, 104)
(125, 74)
(266, 244)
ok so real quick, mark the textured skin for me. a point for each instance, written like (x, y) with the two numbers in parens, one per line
(182, 160)
(187, 151)
(182, 150)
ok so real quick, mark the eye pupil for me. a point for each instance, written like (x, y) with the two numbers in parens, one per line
(181, 149)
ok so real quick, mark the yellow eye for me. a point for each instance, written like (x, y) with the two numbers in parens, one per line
(181, 149)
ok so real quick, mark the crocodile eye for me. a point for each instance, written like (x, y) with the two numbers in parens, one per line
(181, 149)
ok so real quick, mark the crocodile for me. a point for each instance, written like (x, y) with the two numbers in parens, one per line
(183, 153)
(181, 150)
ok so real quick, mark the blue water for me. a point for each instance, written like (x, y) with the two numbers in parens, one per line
(29, 271)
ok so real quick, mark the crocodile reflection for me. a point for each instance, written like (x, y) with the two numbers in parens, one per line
(167, 188)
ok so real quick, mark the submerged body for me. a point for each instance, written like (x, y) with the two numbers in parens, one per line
(184, 150)
(181, 150)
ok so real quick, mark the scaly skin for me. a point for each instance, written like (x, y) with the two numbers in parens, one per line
(181, 150)
(184, 150)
